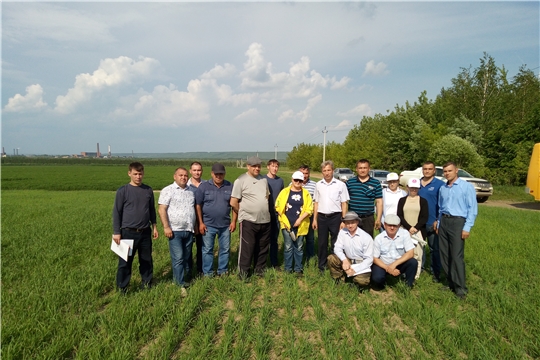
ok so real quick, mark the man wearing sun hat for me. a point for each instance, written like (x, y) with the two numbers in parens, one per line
(249, 199)
(294, 207)
(353, 253)
(393, 252)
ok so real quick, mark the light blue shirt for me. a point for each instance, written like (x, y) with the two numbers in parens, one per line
(459, 200)
(390, 250)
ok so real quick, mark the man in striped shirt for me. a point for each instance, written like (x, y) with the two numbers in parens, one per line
(309, 185)
(364, 191)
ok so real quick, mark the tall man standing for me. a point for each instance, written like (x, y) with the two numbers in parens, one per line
(249, 200)
(134, 217)
(310, 186)
(330, 205)
(429, 190)
(196, 170)
(457, 212)
(213, 213)
(364, 191)
(275, 184)
(177, 213)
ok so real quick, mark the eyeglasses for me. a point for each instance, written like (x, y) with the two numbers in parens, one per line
(296, 180)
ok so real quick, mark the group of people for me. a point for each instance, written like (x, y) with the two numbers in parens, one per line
(345, 216)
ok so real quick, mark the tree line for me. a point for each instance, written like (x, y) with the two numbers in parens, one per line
(484, 122)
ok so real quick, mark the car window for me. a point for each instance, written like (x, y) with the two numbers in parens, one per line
(345, 171)
(463, 173)
(380, 173)
(438, 172)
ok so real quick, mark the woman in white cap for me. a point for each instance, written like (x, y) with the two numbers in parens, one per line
(391, 196)
(294, 207)
(413, 212)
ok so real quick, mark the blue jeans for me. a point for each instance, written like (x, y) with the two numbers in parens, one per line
(180, 249)
(292, 250)
(224, 240)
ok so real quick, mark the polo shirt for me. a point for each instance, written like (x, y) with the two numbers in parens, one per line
(180, 206)
(252, 194)
(459, 200)
(329, 196)
(390, 201)
(430, 192)
(363, 195)
(215, 203)
(390, 250)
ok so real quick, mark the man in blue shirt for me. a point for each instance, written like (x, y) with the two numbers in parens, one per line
(429, 190)
(213, 213)
(457, 212)
(275, 184)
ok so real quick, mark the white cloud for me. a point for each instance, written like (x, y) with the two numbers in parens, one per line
(339, 84)
(288, 114)
(219, 72)
(250, 114)
(360, 110)
(375, 69)
(301, 115)
(33, 100)
(342, 125)
(111, 72)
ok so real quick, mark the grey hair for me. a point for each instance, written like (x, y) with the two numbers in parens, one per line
(327, 163)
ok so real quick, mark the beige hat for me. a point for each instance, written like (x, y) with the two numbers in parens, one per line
(392, 176)
(392, 219)
(351, 215)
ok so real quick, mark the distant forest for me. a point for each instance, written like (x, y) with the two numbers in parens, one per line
(485, 122)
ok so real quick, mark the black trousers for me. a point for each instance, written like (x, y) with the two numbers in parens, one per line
(367, 224)
(254, 246)
(199, 244)
(452, 251)
(327, 224)
(142, 243)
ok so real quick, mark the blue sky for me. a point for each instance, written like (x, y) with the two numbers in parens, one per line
(235, 76)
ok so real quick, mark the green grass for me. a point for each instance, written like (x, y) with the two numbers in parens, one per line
(511, 193)
(59, 300)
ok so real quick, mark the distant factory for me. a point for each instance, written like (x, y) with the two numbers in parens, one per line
(97, 154)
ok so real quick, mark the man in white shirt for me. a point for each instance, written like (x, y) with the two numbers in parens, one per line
(353, 253)
(393, 252)
(330, 205)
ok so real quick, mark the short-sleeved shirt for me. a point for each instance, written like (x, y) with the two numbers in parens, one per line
(430, 192)
(310, 187)
(390, 250)
(180, 206)
(390, 201)
(215, 203)
(330, 196)
(363, 195)
(252, 194)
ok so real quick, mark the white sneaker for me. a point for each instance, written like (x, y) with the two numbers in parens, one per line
(183, 292)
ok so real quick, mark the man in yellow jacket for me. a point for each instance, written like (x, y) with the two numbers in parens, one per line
(294, 206)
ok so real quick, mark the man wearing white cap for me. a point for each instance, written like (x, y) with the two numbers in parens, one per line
(249, 199)
(393, 252)
(391, 196)
(294, 207)
(353, 253)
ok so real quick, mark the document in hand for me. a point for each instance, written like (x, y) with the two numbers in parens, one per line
(124, 249)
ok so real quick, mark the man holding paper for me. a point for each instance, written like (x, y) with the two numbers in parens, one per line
(134, 217)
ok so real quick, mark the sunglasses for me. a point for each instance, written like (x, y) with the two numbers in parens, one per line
(296, 180)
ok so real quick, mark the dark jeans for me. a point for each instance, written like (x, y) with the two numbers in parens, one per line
(452, 250)
(368, 224)
(142, 243)
(310, 240)
(409, 267)
(327, 224)
(199, 244)
(433, 243)
(274, 234)
(253, 248)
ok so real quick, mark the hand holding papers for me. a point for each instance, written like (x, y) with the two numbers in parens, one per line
(124, 249)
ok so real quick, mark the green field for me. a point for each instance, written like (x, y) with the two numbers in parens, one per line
(59, 298)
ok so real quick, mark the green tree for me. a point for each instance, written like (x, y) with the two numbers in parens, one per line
(460, 151)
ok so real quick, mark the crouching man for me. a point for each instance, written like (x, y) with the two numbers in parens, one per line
(393, 252)
(353, 253)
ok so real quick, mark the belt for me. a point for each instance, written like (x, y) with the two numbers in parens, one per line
(365, 216)
(355, 261)
(329, 215)
(136, 230)
(451, 216)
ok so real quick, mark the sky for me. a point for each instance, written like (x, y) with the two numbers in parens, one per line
(161, 77)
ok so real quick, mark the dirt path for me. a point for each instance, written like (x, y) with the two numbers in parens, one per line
(513, 204)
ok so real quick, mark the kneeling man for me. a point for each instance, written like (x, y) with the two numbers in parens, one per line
(393, 254)
(353, 253)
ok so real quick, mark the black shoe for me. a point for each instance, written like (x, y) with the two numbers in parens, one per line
(300, 274)
(436, 279)
(146, 286)
(461, 296)
(123, 291)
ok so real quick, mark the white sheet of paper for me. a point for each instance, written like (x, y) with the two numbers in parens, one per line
(124, 249)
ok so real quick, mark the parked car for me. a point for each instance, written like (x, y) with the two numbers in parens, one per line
(380, 175)
(483, 188)
(343, 174)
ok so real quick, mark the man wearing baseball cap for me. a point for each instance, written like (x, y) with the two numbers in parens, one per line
(353, 253)
(213, 213)
(393, 252)
(249, 199)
